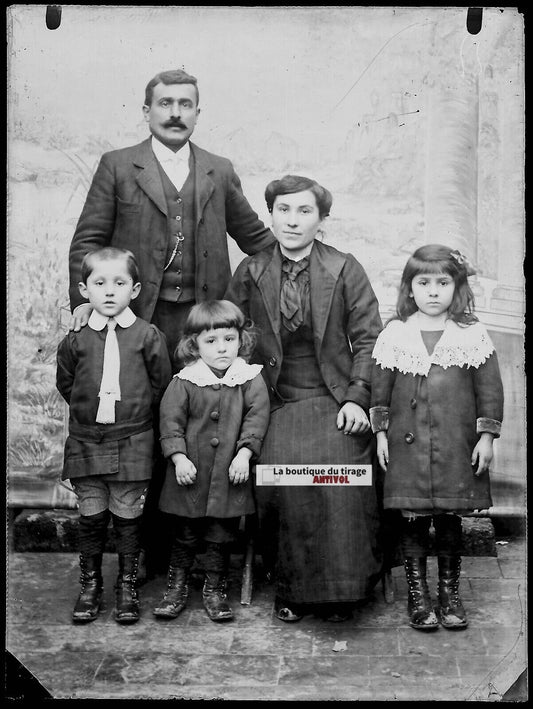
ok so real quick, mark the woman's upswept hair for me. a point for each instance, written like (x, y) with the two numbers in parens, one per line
(290, 184)
(437, 258)
(210, 315)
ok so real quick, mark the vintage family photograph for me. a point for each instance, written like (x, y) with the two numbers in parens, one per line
(266, 386)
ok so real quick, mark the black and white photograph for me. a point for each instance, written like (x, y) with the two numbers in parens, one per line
(266, 384)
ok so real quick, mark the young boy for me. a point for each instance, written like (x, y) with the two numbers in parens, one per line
(111, 374)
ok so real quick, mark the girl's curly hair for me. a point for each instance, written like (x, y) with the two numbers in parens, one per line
(210, 315)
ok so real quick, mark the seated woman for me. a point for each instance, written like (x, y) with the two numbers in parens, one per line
(317, 319)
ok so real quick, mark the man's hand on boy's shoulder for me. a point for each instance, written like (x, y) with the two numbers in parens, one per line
(80, 317)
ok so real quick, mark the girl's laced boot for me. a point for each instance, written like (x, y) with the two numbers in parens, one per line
(452, 615)
(419, 606)
(449, 543)
(415, 547)
(176, 594)
(214, 594)
(215, 597)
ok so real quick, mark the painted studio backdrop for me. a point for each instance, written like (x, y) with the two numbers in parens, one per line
(414, 124)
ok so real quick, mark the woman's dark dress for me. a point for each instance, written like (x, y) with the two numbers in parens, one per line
(327, 549)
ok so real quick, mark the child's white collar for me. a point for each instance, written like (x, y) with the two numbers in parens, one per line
(400, 346)
(125, 319)
(238, 373)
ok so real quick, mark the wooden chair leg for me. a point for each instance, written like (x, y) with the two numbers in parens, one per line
(387, 585)
(248, 573)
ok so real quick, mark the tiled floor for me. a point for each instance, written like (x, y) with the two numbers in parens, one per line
(374, 656)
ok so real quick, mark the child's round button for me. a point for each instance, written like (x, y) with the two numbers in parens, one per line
(214, 442)
(409, 437)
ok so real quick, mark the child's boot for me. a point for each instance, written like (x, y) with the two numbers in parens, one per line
(90, 597)
(448, 533)
(128, 548)
(214, 591)
(177, 592)
(415, 546)
(92, 535)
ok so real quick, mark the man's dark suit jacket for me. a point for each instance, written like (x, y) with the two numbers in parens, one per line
(126, 207)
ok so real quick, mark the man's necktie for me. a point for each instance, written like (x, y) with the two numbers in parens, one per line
(177, 171)
(110, 385)
(290, 297)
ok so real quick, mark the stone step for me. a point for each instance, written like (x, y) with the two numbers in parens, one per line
(57, 530)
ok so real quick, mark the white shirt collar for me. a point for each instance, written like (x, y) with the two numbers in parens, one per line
(125, 319)
(164, 154)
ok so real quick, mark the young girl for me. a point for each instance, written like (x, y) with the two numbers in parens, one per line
(213, 417)
(111, 373)
(437, 405)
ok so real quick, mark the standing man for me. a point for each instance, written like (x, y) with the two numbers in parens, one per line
(172, 204)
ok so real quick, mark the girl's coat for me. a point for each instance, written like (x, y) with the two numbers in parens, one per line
(433, 408)
(210, 419)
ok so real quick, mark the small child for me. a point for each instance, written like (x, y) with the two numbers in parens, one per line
(111, 373)
(437, 405)
(213, 418)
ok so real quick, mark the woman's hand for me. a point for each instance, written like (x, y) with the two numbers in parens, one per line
(352, 419)
(80, 317)
(239, 469)
(382, 449)
(483, 453)
(184, 468)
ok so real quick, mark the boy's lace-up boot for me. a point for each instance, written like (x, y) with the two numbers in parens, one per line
(92, 586)
(126, 595)
(128, 547)
(92, 535)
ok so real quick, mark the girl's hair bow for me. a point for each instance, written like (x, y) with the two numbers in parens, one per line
(463, 261)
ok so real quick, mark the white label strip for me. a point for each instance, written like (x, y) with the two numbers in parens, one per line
(337, 475)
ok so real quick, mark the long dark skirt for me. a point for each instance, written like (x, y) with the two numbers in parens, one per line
(327, 537)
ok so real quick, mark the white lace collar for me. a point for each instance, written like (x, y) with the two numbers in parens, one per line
(400, 346)
(238, 373)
